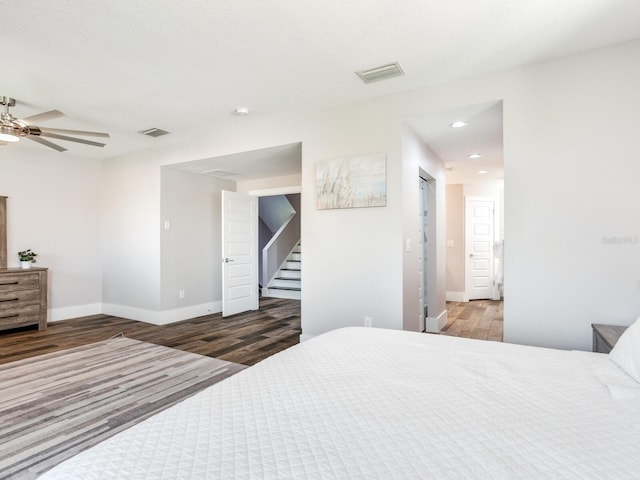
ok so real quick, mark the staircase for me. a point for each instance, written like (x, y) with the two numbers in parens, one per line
(286, 283)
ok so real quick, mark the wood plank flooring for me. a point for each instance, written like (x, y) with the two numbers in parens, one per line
(245, 338)
(480, 319)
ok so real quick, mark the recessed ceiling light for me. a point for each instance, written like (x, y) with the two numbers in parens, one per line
(458, 124)
(482, 172)
(473, 156)
(242, 111)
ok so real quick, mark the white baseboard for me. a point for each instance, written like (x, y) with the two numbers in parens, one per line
(65, 313)
(161, 317)
(435, 324)
(305, 337)
(456, 297)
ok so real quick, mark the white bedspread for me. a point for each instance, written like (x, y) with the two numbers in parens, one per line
(370, 403)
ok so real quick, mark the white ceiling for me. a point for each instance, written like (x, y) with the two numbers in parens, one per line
(267, 162)
(482, 135)
(122, 66)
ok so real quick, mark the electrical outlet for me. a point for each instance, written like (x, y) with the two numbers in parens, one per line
(181, 294)
(368, 322)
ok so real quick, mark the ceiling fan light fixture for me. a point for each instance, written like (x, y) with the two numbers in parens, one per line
(7, 135)
(12, 128)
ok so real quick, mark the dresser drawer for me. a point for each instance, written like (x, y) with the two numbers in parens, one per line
(19, 281)
(23, 298)
(20, 316)
(18, 298)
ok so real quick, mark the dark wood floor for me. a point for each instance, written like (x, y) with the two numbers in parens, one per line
(481, 319)
(245, 338)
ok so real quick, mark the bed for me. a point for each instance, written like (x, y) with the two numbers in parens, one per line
(371, 403)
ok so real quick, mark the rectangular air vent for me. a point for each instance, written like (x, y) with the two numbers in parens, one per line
(153, 132)
(217, 172)
(381, 73)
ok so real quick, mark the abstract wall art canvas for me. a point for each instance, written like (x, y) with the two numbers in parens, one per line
(352, 182)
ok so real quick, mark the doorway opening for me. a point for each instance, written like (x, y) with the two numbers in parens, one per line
(427, 275)
(424, 248)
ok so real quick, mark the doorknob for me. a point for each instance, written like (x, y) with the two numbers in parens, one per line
(227, 260)
(470, 255)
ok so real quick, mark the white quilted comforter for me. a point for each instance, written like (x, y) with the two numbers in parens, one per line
(368, 403)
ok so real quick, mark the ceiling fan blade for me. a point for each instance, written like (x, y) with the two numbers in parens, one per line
(47, 143)
(71, 139)
(75, 132)
(44, 116)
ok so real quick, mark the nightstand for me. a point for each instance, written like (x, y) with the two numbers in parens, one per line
(605, 336)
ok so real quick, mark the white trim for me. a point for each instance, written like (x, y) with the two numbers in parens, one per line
(434, 325)
(65, 313)
(304, 337)
(161, 317)
(268, 192)
(457, 297)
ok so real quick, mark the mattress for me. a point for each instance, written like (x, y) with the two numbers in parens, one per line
(370, 403)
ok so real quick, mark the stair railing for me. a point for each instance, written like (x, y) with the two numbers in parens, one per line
(279, 247)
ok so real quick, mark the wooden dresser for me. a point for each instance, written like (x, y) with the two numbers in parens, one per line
(23, 297)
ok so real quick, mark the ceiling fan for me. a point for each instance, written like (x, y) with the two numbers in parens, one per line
(12, 129)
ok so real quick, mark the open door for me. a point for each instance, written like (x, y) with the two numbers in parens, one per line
(239, 253)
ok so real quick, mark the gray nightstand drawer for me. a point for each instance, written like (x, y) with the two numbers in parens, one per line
(605, 336)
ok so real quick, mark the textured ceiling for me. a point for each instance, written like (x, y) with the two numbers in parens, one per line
(124, 66)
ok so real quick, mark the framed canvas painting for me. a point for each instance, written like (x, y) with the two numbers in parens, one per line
(353, 182)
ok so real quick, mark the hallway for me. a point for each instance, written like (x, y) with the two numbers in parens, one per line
(480, 319)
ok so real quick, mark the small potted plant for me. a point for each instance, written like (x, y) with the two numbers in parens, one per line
(27, 257)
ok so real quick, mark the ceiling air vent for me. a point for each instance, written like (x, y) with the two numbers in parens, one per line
(381, 73)
(153, 132)
(217, 172)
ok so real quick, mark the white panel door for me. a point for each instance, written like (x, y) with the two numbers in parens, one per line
(479, 226)
(239, 253)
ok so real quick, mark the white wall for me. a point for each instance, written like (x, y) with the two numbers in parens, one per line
(571, 178)
(192, 204)
(288, 184)
(53, 208)
(571, 170)
(353, 261)
(130, 237)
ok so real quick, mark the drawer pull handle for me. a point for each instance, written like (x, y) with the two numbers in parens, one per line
(10, 300)
(8, 283)
(9, 316)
